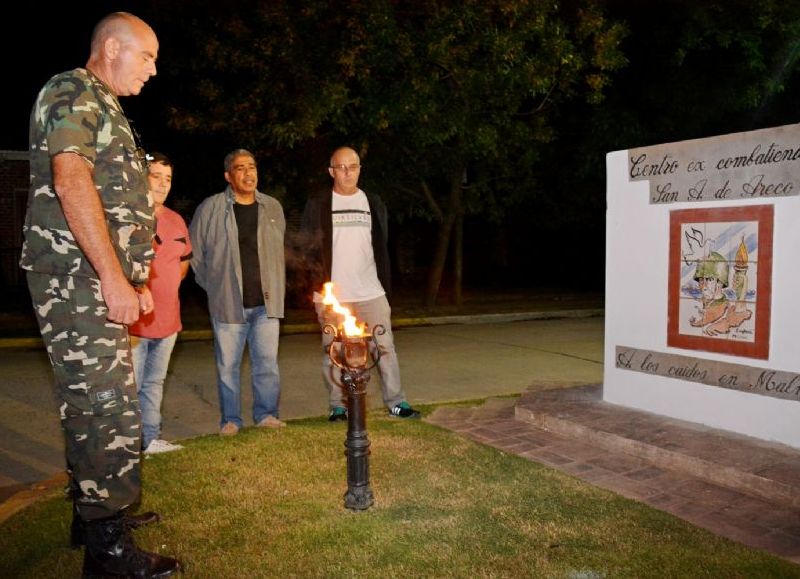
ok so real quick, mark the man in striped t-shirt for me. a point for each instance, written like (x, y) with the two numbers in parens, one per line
(345, 231)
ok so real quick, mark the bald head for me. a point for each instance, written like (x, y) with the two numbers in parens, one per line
(340, 152)
(123, 53)
(117, 25)
(345, 168)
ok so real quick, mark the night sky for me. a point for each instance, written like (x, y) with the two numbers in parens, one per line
(60, 42)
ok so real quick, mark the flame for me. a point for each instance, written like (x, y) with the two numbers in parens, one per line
(741, 254)
(350, 327)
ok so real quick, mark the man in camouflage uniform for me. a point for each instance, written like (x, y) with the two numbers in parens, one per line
(87, 251)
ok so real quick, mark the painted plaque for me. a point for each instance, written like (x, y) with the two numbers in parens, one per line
(720, 272)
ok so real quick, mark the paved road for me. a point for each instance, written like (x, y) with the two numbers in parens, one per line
(438, 364)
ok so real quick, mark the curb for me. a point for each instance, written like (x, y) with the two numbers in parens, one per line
(31, 494)
(497, 318)
(294, 329)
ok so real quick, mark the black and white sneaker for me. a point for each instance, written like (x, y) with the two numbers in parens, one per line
(404, 410)
(338, 413)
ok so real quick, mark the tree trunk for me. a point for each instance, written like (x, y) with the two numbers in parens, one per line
(458, 259)
(443, 239)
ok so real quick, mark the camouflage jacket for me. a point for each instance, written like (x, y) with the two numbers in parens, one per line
(75, 112)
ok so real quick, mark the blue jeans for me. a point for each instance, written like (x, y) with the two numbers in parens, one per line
(150, 362)
(261, 335)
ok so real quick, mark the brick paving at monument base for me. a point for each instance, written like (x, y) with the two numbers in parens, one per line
(735, 486)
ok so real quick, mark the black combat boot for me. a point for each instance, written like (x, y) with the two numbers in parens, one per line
(110, 552)
(77, 531)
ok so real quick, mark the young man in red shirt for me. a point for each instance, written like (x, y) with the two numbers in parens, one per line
(155, 333)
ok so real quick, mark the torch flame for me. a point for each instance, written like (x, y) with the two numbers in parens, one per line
(741, 254)
(350, 327)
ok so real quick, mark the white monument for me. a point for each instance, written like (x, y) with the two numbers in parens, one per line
(703, 282)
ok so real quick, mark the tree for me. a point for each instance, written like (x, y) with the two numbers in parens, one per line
(257, 75)
(696, 69)
(701, 68)
(448, 102)
(455, 99)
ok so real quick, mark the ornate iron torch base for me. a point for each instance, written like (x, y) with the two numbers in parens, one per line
(358, 496)
(351, 354)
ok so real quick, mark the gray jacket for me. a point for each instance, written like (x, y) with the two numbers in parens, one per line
(216, 262)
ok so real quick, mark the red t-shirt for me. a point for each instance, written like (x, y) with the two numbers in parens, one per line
(172, 246)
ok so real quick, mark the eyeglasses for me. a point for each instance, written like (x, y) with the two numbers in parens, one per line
(351, 168)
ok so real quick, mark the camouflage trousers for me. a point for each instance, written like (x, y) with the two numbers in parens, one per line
(95, 390)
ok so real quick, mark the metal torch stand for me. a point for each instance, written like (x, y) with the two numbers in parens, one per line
(352, 356)
(358, 496)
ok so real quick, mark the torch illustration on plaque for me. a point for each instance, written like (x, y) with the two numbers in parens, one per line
(740, 268)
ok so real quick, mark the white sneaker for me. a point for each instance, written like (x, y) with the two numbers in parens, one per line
(158, 446)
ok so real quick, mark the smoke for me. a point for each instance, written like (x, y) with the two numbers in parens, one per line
(304, 270)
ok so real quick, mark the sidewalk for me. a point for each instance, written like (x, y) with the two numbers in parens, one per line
(32, 455)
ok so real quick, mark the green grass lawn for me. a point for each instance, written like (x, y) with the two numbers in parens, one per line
(269, 503)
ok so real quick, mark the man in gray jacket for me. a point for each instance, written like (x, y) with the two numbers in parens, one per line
(237, 240)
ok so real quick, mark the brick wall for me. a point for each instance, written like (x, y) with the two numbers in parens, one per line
(14, 178)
